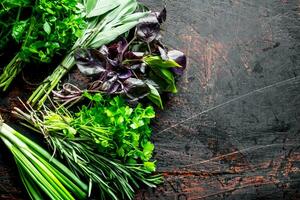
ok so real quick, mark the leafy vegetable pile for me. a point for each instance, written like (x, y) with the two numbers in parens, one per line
(103, 131)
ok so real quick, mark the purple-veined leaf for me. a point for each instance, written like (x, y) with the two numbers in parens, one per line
(90, 62)
(179, 58)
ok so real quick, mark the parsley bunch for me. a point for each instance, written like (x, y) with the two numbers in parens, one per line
(117, 129)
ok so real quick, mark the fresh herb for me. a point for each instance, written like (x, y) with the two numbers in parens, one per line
(107, 142)
(105, 24)
(143, 67)
(119, 130)
(39, 171)
(8, 18)
(50, 29)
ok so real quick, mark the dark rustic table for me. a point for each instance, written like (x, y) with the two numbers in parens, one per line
(233, 130)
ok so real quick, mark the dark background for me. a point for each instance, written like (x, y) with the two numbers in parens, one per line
(233, 130)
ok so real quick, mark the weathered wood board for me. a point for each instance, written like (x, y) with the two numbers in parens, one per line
(233, 130)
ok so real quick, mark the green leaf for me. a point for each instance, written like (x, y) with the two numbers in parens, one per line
(150, 166)
(157, 61)
(137, 123)
(149, 112)
(18, 29)
(148, 149)
(133, 17)
(89, 5)
(165, 79)
(120, 120)
(87, 95)
(121, 152)
(161, 68)
(97, 98)
(108, 36)
(99, 7)
(154, 96)
(47, 28)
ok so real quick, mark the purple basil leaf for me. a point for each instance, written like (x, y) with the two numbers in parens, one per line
(162, 16)
(135, 88)
(113, 62)
(148, 28)
(108, 84)
(90, 62)
(122, 44)
(180, 58)
(163, 53)
(111, 74)
(148, 32)
(143, 68)
(104, 50)
(135, 66)
(113, 51)
(125, 75)
(115, 86)
(129, 55)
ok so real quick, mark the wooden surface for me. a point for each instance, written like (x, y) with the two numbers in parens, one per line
(233, 130)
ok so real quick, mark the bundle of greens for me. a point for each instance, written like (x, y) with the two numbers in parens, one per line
(107, 142)
(40, 172)
(49, 28)
(143, 67)
(8, 17)
(106, 20)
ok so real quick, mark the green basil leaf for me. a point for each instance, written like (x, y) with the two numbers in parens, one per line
(165, 79)
(154, 96)
(157, 61)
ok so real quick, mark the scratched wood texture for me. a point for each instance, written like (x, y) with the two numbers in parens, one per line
(233, 130)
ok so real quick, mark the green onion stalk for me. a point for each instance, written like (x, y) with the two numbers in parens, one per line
(39, 171)
(106, 21)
